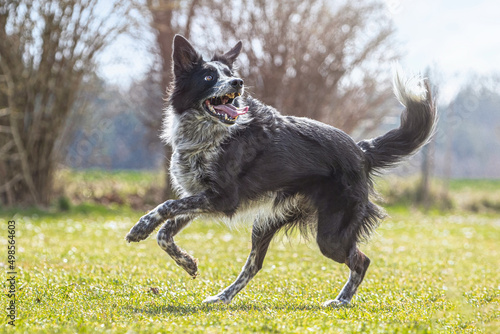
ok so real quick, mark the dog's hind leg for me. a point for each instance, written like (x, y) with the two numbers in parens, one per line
(342, 250)
(358, 264)
(262, 235)
(165, 240)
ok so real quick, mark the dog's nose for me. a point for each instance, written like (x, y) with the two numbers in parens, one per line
(237, 83)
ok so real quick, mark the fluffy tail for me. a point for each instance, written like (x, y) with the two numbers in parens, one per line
(418, 123)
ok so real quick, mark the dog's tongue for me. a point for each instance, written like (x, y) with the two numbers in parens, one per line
(231, 110)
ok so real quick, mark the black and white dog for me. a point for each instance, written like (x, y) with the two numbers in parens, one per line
(234, 156)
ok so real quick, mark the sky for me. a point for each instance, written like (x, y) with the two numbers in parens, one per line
(458, 38)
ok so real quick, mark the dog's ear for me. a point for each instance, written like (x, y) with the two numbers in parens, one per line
(232, 54)
(229, 57)
(184, 56)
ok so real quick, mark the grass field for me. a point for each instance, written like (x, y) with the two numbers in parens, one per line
(429, 274)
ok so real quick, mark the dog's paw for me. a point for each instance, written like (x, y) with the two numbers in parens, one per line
(188, 263)
(136, 234)
(133, 237)
(192, 270)
(336, 303)
(142, 229)
(216, 299)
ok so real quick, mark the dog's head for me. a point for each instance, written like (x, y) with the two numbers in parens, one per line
(210, 87)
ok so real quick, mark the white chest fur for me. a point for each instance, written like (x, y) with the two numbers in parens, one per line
(189, 169)
(196, 144)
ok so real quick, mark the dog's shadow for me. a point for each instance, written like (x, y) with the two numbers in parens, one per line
(183, 310)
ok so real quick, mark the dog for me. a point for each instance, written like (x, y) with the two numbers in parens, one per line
(234, 157)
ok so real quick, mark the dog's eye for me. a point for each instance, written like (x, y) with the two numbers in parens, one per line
(208, 78)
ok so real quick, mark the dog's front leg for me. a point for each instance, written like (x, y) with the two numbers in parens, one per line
(165, 240)
(191, 205)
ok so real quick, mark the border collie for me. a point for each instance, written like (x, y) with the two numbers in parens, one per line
(234, 156)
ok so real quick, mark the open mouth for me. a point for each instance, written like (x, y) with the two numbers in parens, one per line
(222, 108)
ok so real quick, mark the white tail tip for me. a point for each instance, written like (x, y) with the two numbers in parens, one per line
(408, 89)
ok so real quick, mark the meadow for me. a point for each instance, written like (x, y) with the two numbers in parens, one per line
(431, 272)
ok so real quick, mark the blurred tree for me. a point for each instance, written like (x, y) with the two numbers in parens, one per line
(47, 48)
(167, 17)
(111, 136)
(466, 145)
(328, 60)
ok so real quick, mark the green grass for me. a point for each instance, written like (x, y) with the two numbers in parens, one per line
(483, 185)
(429, 274)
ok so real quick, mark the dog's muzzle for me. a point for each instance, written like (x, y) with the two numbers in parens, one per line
(222, 108)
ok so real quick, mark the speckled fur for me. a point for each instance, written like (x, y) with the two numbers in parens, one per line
(282, 172)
